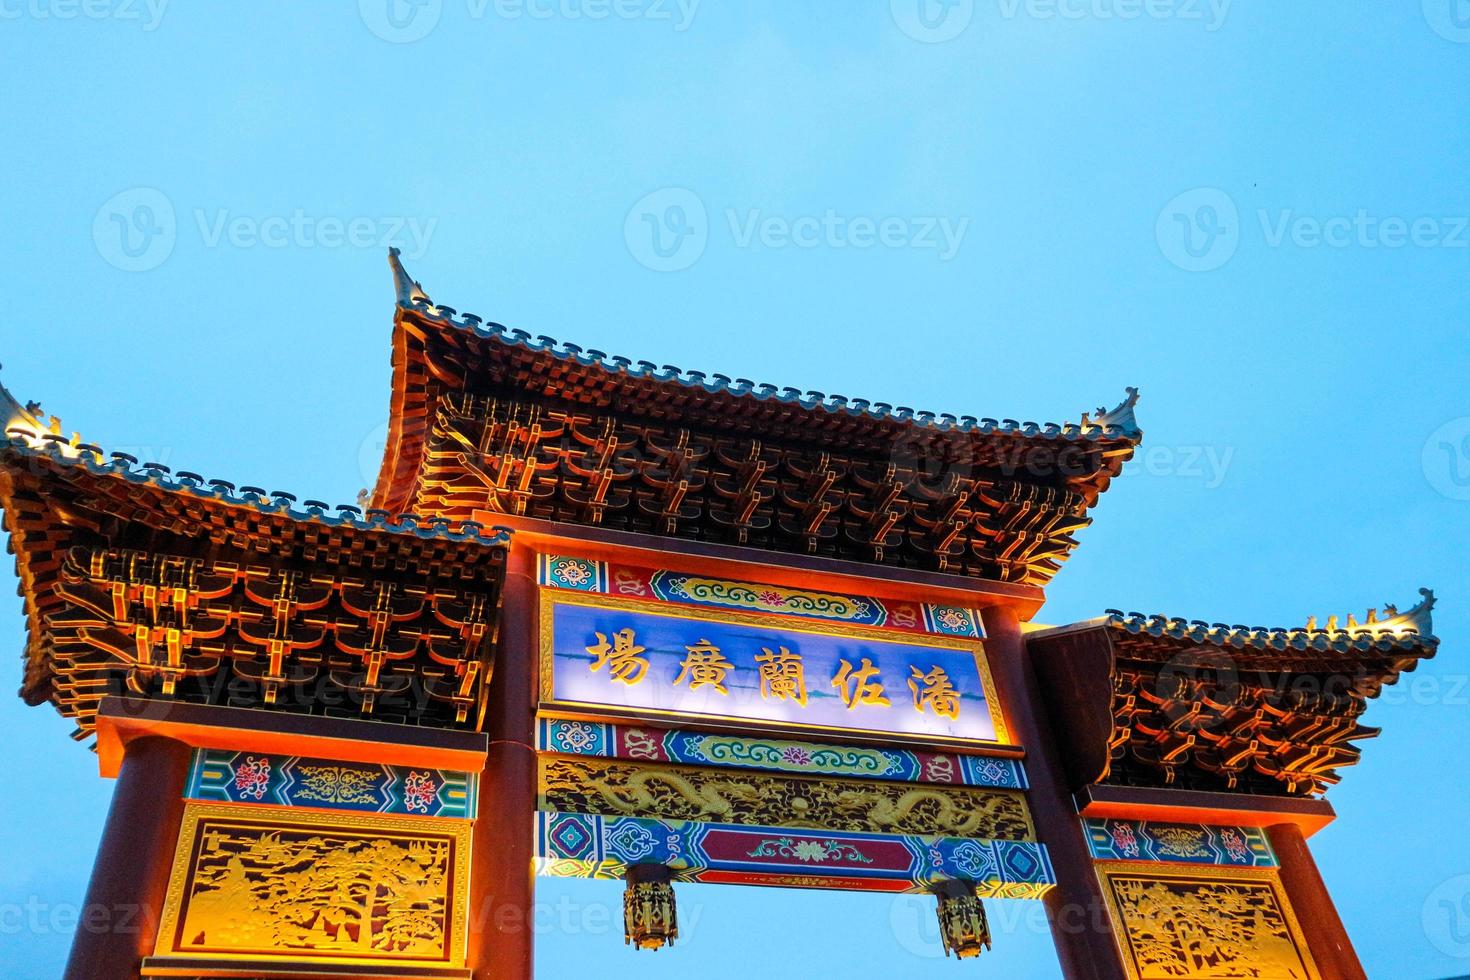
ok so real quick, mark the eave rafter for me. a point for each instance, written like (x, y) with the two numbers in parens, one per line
(1198, 705)
(143, 581)
(486, 419)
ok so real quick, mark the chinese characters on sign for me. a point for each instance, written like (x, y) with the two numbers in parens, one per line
(638, 658)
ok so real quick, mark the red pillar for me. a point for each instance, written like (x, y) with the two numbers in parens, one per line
(1315, 913)
(1080, 924)
(502, 883)
(120, 916)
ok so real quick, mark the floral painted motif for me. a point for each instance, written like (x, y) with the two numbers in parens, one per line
(573, 573)
(419, 790)
(1234, 844)
(951, 618)
(810, 851)
(631, 841)
(973, 859)
(773, 599)
(1124, 839)
(252, 777)
(795, 756)
(576, 736)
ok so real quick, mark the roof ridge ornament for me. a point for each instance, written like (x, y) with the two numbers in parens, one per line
(1416, 620)
(408, 290)
(33, 426)
(1121, 416)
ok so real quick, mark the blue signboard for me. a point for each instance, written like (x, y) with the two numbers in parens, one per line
(647, 660)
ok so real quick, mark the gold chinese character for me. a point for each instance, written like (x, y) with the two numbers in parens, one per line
(937, 692)
(863, 689)
(705, 666)
(782, 675)
(621, 657)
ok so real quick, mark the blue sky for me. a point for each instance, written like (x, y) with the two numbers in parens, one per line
(1256, 212)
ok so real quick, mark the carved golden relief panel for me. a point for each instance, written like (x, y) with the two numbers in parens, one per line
(344, 887)
(1204, 924)
(615, 788)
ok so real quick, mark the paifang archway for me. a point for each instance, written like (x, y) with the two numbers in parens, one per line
(608, 619)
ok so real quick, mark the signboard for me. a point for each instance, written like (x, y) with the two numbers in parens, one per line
(602, 655)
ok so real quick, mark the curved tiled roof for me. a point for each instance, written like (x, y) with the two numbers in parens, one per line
(1391, 630)
(26, 435)
(1118, 423)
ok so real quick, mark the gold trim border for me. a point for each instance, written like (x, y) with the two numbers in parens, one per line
(297, 818)
(956, 793)
(549, 597)
(1158, 871)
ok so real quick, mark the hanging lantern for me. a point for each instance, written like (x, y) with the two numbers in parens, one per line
(650, 919)
(962, 924)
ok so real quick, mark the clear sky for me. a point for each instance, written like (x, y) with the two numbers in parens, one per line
(1256, 212)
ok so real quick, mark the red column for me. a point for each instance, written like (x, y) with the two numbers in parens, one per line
(1080, 924)
(502, 883)
(1315, 913)
(119, 920)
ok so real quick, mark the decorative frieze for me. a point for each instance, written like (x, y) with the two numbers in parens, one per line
(573, 737)
(590, 846)
(1141, 840)
(254, 778)
(611, 578)
(616, 788)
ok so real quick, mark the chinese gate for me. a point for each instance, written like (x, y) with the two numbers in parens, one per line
(609, 620)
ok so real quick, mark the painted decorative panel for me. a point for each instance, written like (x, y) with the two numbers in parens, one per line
(1204, 924)
(586, 575)
(618, 788)
(585, 846)
(1138, 840)
(324, 887)
(252, 777)
(774, 755)
(651, 659)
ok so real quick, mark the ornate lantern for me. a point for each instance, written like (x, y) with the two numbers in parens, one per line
(650, 918)
(962, 923)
